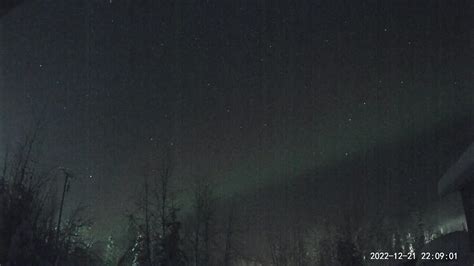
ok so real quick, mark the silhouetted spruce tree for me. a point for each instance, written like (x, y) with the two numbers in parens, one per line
(203, 234)
(347, 253)
(172, 254)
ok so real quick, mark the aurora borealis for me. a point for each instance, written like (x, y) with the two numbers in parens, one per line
(248, 94)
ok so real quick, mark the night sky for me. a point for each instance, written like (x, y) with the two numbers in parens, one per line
(250, 94)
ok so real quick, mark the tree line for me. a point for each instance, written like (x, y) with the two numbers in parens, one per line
(205, 230)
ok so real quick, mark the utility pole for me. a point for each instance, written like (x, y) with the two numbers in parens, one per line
(58, 228)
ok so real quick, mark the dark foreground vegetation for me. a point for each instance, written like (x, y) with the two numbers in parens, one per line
(166, 230)
(35, 231)
(32, 229)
